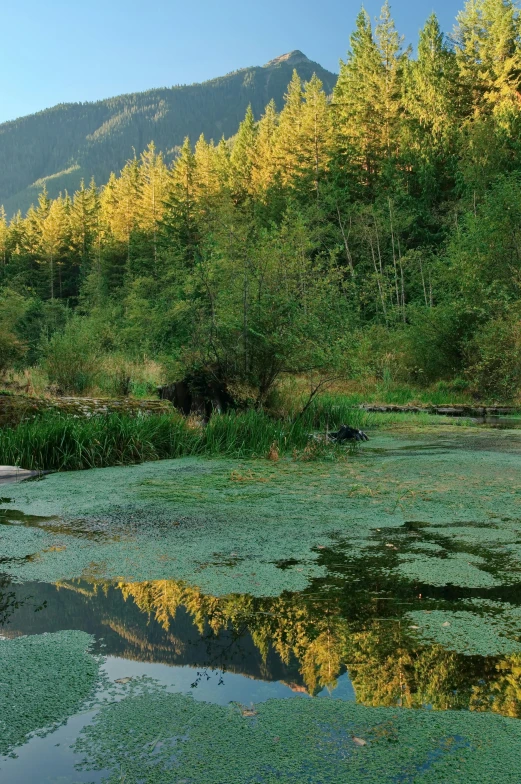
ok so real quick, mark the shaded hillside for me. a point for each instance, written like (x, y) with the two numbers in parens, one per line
(62, 145)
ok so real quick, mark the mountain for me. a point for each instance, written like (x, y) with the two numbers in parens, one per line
(60, 146)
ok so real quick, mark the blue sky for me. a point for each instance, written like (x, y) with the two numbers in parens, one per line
(55, 51)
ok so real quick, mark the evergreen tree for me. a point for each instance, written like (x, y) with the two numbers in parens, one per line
(265, 166)
(84, 220)
(153, 190)
(488, 52)
(433, 114)
(242, 158)
(392, 60)
(53, 244)
(179, 225)
(314, 141)
(288, 134)
(431, 83)
(4, 237)
(357, 105)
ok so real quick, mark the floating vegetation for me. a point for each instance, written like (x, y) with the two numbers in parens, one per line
(160, 738)
(493, 628)
(390, 578)
(456, 569)
(44, 679)
(184, 518)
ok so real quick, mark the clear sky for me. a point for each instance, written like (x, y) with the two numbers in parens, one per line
(55, 51)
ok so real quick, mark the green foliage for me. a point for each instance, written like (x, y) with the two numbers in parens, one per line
(495, 358)
(13, 310)
(71, 357)
(372, 232)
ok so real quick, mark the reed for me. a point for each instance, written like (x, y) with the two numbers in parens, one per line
(64, 442)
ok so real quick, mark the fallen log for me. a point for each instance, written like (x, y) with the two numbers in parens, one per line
(15, 408)
(15, 474)
(456, 410)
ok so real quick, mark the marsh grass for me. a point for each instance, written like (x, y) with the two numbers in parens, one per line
(58, 442)
(64, 442)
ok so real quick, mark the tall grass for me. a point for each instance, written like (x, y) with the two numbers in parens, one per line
(58, 442)
(64, 442)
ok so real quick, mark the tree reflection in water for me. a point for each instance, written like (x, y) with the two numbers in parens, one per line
(306, 639)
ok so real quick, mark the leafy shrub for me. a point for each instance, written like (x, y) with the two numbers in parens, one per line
(71, 358)
(494, 359)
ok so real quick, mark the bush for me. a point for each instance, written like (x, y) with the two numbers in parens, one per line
(71, 358)
(494, 359)
(434, 342)
(11, 350)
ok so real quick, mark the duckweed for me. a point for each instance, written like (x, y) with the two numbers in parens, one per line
(44, 680)
(163, 738)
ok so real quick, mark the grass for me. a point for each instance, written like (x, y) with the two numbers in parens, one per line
(64, 442)
(355, 392)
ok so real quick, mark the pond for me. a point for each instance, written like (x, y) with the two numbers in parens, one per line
(225, 621)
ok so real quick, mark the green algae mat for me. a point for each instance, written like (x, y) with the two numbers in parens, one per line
(44, 679)
(246, 621)
(227, 526)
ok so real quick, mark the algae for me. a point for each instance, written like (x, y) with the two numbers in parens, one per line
(161, 738)
(185, 518)
(326, 566)
(456, 569)
(491, 629)
(44, 680)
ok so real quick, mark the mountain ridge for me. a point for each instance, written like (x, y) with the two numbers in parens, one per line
(59, 146)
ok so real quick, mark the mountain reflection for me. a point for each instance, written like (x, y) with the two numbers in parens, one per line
(306, 640)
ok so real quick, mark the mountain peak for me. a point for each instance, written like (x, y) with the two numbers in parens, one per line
(291, 58)
(100, 137)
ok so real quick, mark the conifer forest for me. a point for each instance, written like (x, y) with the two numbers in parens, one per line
(371, 232)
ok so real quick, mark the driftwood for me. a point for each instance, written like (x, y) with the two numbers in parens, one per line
(346, 433)
(463, 410)
(14, 474)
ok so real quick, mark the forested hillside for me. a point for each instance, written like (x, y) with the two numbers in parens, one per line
(376, 233)
(60, 146)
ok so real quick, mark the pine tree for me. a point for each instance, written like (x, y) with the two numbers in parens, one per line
(4, 237)
(390, 47)
(488, 52)
(314, 142)
(432, 115)
(358, 104)
(128, 188)
(207, 169)
(264, 167)
(153, 190)
(431, 83)
(84, 221)
(179, 225)
(53, 242)
(288, 132)
(242, 157)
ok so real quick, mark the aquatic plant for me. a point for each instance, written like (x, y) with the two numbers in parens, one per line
(62, 442)
(57, 442)
(45, 679)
